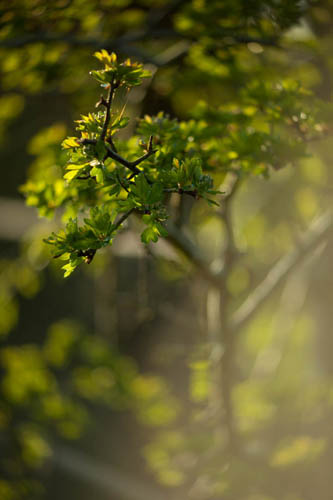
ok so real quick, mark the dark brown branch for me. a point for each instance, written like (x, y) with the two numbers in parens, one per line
(121, 183)
(180, 191)
(150, 151)
(112, 144)
(131, 165)
(317, 233)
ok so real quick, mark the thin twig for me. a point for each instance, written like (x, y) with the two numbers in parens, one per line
(180, 191)
(121, 183)
(142, 158)
(112, 144)
(108, 105)
(131, 165)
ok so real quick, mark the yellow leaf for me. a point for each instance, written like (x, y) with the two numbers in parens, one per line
(73, 166)
(106, 58)
(70, 175)
(70, 142)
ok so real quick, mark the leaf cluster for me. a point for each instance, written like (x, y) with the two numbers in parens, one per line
(267, 129)
(127, 73)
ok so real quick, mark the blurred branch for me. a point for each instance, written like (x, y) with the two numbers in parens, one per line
(226, 337)
(125, 43)
(119, 45)
(230, 188)
(222, 349)
(245, 39)
(181, 241)
(317, 233)
(121, 42)
(103, 476)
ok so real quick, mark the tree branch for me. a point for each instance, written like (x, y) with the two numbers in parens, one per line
(120, 45)
(124, 44)
(116, 157)
(180, 191)
(131, 165)
(183, 243)
(229, 188)
(225, 340)
(318, 232)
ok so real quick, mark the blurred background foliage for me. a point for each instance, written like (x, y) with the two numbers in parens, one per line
(140, 376)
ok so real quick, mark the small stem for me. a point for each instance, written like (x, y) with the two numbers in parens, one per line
(142, 158)
(121, 183)
(108, 110)
(83, 177)
(112, 144)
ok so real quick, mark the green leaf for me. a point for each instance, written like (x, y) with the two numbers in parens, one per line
(156, 193)
(101, 150)
(120, 122)
(161, 229)
(98, 173)
(69, 176)
(141, 188)
(149, 234)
